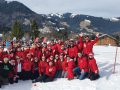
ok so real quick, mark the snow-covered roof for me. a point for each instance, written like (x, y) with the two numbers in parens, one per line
(108, 36)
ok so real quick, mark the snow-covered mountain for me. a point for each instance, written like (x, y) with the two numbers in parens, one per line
(11, 11)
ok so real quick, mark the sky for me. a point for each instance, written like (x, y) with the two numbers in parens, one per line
(100, 8)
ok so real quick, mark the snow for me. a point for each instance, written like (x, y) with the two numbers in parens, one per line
(73, 15)
(88, 21)
(105, 56)
(114, 19)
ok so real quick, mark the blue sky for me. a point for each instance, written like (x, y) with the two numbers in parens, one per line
(102, 8)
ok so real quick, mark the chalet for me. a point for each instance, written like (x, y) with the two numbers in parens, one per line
(106, 39)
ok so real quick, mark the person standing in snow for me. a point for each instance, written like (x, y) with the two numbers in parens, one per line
(88, 44)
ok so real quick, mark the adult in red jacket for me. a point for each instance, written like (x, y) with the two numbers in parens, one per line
(53, 47)
(35, 73)
(42, 66)
(93, 68)
(88, 44)
(58, 64)
(49, 75)
(64, 67)
(20, 53)
(72, 50)
(1, 54)
(82, 70)
(71, 66)
(26, 68)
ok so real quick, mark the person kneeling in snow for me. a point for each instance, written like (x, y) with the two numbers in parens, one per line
(49, 74)
(82, 70)
(93, 68)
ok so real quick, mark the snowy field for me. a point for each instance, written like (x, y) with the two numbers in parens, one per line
(104, 55)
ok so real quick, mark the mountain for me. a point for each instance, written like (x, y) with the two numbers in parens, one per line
(11, 11)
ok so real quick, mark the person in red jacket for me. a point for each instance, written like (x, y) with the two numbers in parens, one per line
(82, 70)
(64, 67)
(18, 68)
(35, 73)
(20, 53)
(42, 66)
(53, 47)
(72, 50)
(71, 66)
(93, 68)
(58, 64)
(49, 75)
(88, 44)
(26, 68)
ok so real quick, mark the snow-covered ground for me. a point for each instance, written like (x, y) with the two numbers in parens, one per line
(104, 55)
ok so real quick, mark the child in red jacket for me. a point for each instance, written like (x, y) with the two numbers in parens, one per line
(93, 68)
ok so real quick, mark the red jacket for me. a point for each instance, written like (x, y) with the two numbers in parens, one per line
(54, 49)
(42, 65)
(26, 65)
(72, 52)
(71, 66)
(83, 63)
(26, 52)
(64, 65)
(93, 66)
(20, 54)
(52, 72)
(80, 45)
(58, 64)
(1, 56)
(88, 46)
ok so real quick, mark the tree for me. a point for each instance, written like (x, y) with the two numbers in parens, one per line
(34, 29)
(16, 30)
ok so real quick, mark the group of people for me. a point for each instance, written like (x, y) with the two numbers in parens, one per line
(44, 62)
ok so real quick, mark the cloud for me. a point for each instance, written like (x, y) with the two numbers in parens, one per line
(104, 8)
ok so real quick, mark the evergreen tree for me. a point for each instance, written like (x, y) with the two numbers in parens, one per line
(34, 29)
(16, 30)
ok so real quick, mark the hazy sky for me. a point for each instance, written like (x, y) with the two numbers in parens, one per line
(104, 8)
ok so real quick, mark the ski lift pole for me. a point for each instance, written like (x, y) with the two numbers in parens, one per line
(115, 60)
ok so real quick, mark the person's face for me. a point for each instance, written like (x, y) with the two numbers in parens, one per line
(5, 61)
(68, 58)
(79, 55)
(52, 43)
(50, 64)
(62, 47)
(56, 56)
(44, 45)
(18, 59)
(86, 38)
(43, 58)
(51, 57)
(19, 49)
(71, 44)
(36, 59)
(1, 49)
(91, 56)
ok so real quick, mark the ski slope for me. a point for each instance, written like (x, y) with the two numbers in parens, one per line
(104, 55)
